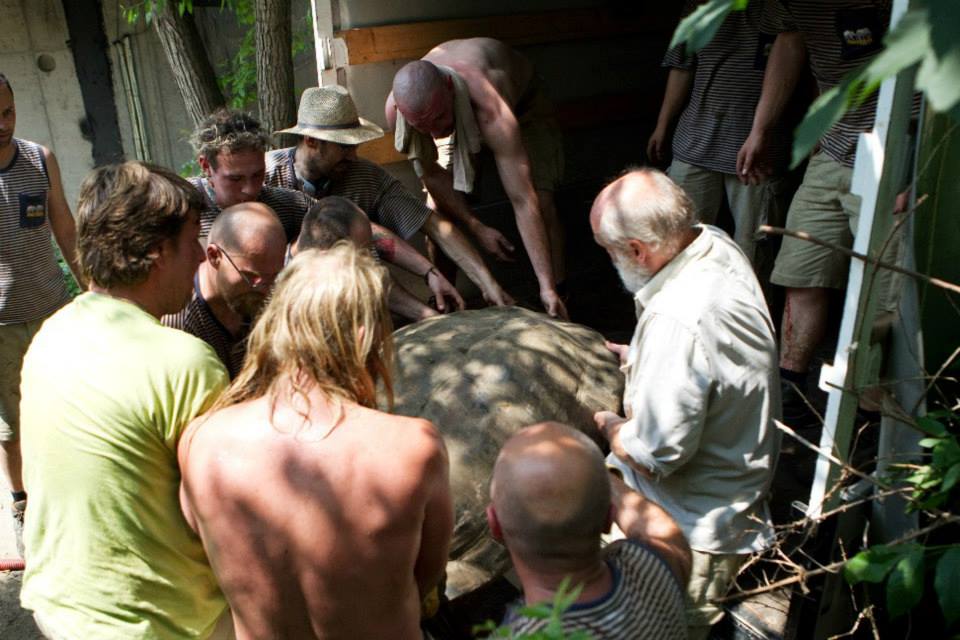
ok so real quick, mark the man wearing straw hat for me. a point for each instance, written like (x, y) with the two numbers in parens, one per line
(325, 163)
(230, 150)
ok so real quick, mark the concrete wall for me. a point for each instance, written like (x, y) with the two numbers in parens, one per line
(49, 103)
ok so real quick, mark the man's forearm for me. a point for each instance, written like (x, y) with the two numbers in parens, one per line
(646, 521)
(395, 250)
(674, 97)
(405, 304)
(534, 236)
(65, 233)
(780, 79)
(439, 184)
(459, 249)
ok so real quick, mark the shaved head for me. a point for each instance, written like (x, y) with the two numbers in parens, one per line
(247, 228)
(551, 495)
(415, 85)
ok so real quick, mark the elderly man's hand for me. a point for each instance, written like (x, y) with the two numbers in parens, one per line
(553, 304)
(442, 289)
(617, 349)
(608, 423)
(494, 242)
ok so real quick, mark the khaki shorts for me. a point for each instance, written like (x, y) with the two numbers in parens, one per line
(710, 577)
(824, 207)
(750, 205)
(14, 340)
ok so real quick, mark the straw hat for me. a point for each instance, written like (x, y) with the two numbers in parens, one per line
(328, 113)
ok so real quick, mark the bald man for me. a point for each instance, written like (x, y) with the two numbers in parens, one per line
(702, 386)
(552, 498)
(487, 94)
(245, 252)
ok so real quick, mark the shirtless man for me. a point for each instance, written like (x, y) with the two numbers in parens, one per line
(499, 96)
(322, 517)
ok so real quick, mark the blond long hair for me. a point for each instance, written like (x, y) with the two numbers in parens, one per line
(325, 328)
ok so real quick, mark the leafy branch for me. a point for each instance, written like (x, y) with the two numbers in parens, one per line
(552, 612)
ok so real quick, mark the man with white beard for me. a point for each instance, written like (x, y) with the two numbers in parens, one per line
(702, 384)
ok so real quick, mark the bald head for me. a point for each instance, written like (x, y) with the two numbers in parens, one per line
(644, 205)
(415, 85)
(551, 495)
(248, 228)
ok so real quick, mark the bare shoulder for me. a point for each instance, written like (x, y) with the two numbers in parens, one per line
(412, 438)
(210, 434)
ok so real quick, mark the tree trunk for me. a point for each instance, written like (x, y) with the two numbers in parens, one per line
(188, 61)
(275, 97)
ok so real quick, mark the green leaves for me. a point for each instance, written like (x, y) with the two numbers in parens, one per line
(905, 583)
(946, 582)
(552, 612)
(698, 29)
(871, 565)
(929, 36)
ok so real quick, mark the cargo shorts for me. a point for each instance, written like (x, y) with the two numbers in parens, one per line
(14, 340)
(824, 207)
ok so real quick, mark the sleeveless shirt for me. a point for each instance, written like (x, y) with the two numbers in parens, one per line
(31, 282)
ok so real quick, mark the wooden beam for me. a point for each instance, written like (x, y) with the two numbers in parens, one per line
(413, 40)
(581, 113)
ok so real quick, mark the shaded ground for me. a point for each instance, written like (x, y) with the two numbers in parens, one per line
(15, 623)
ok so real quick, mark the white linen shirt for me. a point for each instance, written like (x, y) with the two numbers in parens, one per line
(702, 391)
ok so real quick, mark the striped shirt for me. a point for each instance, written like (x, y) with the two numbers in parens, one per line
(289, 205)
(381, 196)
(31, 283)
(198, 320)
(646, 601)
(727, 80)
(840, 36)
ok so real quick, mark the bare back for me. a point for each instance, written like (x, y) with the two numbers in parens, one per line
(314, 535)
(508, 71)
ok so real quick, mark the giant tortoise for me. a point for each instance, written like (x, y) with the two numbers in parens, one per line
(482, 375)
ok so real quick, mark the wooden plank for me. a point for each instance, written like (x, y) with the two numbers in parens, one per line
(413, 40)
(581, 113)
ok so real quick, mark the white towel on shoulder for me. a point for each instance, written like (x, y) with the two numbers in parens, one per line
(465, 141)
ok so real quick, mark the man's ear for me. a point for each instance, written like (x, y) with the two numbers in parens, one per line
(204, 165)
(494, 523)
(213, 255)
(638, 250)
(313, 143)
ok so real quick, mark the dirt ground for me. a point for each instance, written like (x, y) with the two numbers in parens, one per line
(15, 623)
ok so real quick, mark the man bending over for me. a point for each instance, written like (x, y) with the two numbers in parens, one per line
(482, 92)
(322, 516)
(244, 252)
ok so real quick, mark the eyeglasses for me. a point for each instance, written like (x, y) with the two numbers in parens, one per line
(263, 281)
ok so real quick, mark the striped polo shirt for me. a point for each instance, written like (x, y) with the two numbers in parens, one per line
(198, 320)
(289, 205)
(840, 36)
(727, 81)
(381, 196)
(31, 283)
(646, 601)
